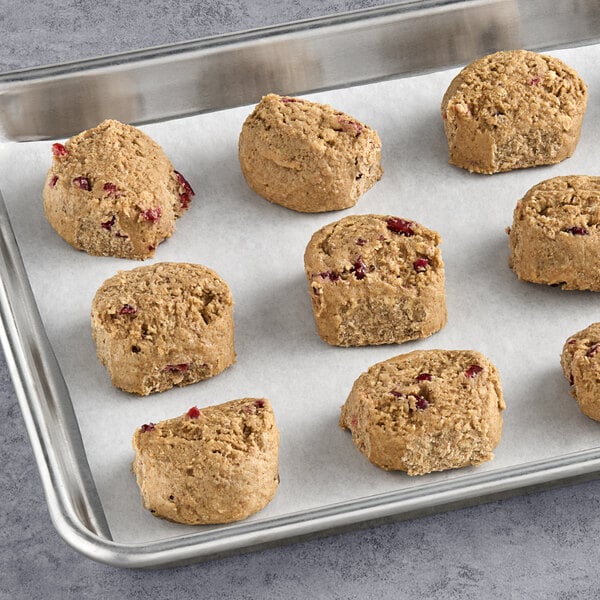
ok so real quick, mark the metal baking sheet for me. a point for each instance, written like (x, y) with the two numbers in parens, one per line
(80, 426)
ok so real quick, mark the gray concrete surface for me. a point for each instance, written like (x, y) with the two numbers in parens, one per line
(543, 545)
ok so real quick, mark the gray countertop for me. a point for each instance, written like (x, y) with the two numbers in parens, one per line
(542, 545)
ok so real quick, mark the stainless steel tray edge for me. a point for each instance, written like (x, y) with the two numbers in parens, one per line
(237, 69)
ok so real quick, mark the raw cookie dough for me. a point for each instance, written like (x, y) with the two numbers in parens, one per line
(580, 361)
(308, 156)
(428, 410)
(211, 465)
(163, 325)
(555, 235)
(512, 110)
(111, 191)
(375, 279)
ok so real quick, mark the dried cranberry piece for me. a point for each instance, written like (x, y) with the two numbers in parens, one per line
(331, 275)
(185, 184)
(350, 126)
(108, 225)
(112, 191)
(260, 403)
(423, 377)
(127, 309)
(534, 81)
(83, 183)
(420, 265)
(473, 371)
(576, 230)
(59, 150)
(397, 394)
(152, 214)
(360, 268)
(593, 350)
(147, 427)
(398, 225)
(421, 403)
(180, 368)
(52, 181)
(361, 241)
(287, 99)
(184, 201)
(193, 413)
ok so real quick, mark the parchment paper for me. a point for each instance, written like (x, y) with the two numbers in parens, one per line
(258, 247)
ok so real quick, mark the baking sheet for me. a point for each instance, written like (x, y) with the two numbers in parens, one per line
(258, 247)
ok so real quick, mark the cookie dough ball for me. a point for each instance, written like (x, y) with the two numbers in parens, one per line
(512, 110)
(555, 235)
(428, 410)
(214, 465)
(111, 191)
(375, 279)
(163, 325)
(308, 156)
(580, 361)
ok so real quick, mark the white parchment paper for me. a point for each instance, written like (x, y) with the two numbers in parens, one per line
(258, 247)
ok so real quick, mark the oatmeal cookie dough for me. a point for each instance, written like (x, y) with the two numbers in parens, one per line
(307, 156)
(212, 465)
(428, 410)
(163, 325)
(580, 362)
(555, 235)
(512, 110)
(111, 191)
(375, 279)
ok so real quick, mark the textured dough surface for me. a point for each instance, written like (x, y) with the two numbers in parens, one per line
(513, 110)
(428, 410)
(580, 361)
(375, 279)
(214, 465)
(307, 156)
(555, 235)
(111, 191)
(163, 325)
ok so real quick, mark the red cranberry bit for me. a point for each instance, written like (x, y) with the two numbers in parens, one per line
(260, 403)
(112, 191)
(593, 350)
(193, 413)
(473, 371)
(287, 99)
(108, 225)
(127, 309)
(420, 265)
(423, 377)
(576, 230)
(83, 183)
(184, 201)
(152, 214)
(354, 421)
(350, 126)
(184, 183)
(59, 150)
(397, 394)
(147, 427)
(52, 181)
(180, 368)
(534, 81)
(121, 235)
(360, 241)
(360, 268)
(421, 403)
(331, 275)
(400, 226)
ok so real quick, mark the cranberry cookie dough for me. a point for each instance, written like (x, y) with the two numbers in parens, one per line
(580, 361)
(163, 325)
(512, 110)
(308, 156)
(555, 235)
(375, 279)
(111, 191)
(214, 465)
(428, 410)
